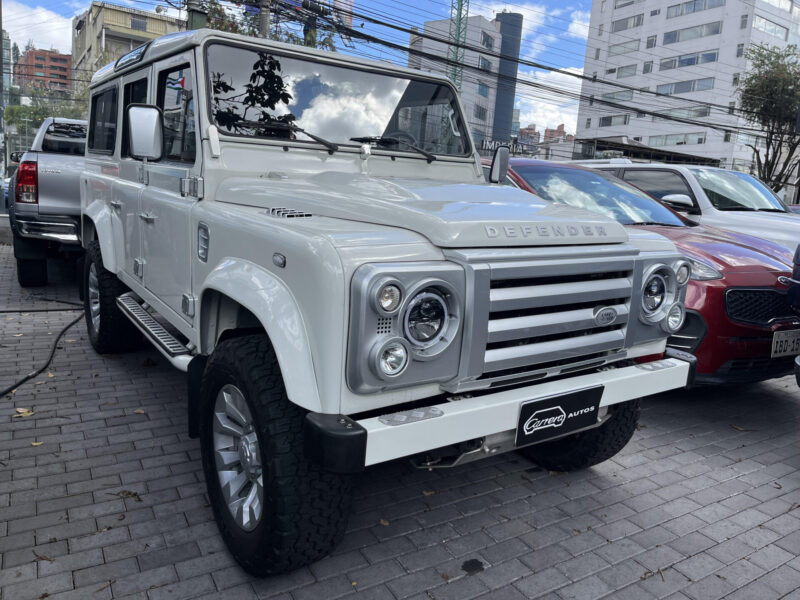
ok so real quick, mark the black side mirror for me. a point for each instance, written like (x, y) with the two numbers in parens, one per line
(499, 168)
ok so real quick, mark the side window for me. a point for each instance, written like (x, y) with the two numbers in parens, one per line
(176, 100)
(134, 92)
(658, 183)
(103, 122)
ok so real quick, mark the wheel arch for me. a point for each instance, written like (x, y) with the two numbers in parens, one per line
(241, 298)
(96, 225)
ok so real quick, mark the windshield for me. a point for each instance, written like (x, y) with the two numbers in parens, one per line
(732, 190)
(65, 138)
(599, 192)
(250, 87)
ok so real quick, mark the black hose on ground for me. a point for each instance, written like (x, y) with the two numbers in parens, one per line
(33, 374)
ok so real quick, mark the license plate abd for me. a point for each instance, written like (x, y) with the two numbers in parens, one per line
(552, 417)
(786, 343)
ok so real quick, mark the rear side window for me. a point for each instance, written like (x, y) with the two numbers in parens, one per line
(65, 138)
(176, 100)
(134, 92)
(658, 183)
(103, 122)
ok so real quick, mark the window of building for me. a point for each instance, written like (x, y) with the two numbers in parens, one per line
(693, 6)
(692, 33)
(623, 48)
(620, 95)
(484, 64)
(138, 23)
(103, 122)
(479, 112)
(176, 101)
(611, 71)
(770, 28)
(621, 3)
(487, 41)
(647, 67)
(600, 29)
(626, 71)
(651, 41)
(39, 73)
(677, 139)
(597, 53)
(687, 112)
(688, 60)
(743, 22)
(613, 120)
(736, 79)
(781, 4)
(588, 123)
(591, 100)
(627, 23)
(727, 137)
(739, 50)
(56, 59)
(134, 92)
(483, 90)
(655, 13)
(685, 87)
(731, 107)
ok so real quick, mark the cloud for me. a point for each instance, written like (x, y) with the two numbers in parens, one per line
(546, 108)
(46, 28)
(579, 25)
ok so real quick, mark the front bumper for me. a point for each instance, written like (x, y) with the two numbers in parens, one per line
(53, 229)
(345, 445)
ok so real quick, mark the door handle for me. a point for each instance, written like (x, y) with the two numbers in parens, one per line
(147, 217)
(115, 203)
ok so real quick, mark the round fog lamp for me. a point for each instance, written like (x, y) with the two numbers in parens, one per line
(675, 317)
(683, 273)
(393, 359)
(425, 318)
(655, 290)
(389, 297)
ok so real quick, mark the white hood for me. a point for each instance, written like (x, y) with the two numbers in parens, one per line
(449, 215)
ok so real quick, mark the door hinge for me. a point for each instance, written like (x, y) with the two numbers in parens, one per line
(192, 186)
(138, 267)
(187, 305)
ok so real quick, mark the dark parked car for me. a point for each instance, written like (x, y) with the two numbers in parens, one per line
(738, 320)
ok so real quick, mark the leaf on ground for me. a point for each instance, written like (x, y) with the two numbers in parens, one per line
(36, 443)
(121, 518)
(737, 428)
(647, 575)
(428, 492)
(108, 585)
(17, 335)
(384, 522)
(69, 340)
(139, 411)
(40, 557)
(49, 374)
(127, 494)
(24, 412)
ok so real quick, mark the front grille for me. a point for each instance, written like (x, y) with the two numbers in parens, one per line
(544, 315)
(757, 307)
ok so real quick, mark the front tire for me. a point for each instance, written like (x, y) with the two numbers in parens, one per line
(588, 448)
(109, 330)
(276, 510)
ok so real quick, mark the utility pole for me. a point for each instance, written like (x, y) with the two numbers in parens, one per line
(263, 18)
(459, 14)
(196, 15)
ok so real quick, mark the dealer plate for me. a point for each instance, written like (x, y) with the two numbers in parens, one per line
(786, 343)
(547, 418)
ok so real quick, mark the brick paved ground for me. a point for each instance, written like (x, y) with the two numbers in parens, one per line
(704, 503)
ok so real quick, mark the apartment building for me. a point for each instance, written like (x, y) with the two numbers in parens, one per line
(46, 68)
(488, 85)
(692, 55)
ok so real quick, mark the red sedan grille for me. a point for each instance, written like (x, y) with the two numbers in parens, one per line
(757, 307)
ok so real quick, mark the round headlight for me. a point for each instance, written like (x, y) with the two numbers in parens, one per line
(426, 318)
(389, 297)
(655, 290)
(683, 273)
(393, 359)
(675, 318)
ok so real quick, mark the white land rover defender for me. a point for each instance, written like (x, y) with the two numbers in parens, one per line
(309, 236)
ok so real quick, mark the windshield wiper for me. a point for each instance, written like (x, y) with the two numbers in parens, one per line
(281, 126)
(777, 210)
(741, 208)
(658, 223)
(382, 140)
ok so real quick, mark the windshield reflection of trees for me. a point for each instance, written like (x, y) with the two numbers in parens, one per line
(247, 112)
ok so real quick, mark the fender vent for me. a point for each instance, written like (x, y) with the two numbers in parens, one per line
(287, 213)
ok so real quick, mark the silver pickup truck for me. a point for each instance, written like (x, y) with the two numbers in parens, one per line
(44, 198)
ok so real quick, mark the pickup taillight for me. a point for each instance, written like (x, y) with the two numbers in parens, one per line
(27, 183)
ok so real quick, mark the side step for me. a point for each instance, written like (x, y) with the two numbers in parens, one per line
(143, 320)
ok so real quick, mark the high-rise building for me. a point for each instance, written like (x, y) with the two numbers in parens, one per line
(106, 31)
(46, 68)
(7, 66)
(691, 54)
(488, 84)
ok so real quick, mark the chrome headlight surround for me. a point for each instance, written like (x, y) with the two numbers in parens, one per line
(683, 271)
(442, 292)
(664, 274)
(375, 293)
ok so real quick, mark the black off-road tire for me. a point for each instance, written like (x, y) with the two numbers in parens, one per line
(31, 272)
(587, 448)
(305, 508)
(115, 332)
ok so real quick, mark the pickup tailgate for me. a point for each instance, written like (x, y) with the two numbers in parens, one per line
(59, 183)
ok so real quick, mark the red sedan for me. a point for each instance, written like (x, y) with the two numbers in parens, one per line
(738, 321)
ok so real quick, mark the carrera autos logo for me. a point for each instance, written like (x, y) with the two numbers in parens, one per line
(551, 418)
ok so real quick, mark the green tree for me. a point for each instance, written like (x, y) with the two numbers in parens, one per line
(770, 96)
